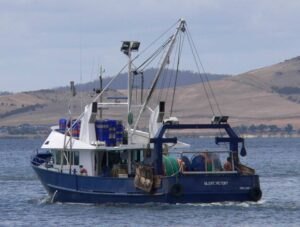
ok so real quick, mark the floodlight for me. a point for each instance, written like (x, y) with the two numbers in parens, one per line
(125, 46)
(219, 119)
(128, 46)
(135, 46)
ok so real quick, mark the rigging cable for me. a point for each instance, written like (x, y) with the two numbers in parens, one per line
(153, 42)
(192, 45)
(173, 67)
(203, 83)
(181, 41)
(154, 55)
(159, 81)
(144, 50)
(161, 86)
(168, 73)
(205, 74)
(107, 85)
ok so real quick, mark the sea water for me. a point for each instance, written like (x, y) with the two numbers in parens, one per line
(24, 202)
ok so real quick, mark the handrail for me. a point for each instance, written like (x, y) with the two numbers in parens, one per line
(34, 158)
(208, 172)
(38, 163)
(204, 151)
(233, 139)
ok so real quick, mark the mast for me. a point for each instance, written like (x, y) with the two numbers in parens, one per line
(129, 84)
(181, 28)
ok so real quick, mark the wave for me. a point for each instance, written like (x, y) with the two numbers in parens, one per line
(18, 178)
(261, 205)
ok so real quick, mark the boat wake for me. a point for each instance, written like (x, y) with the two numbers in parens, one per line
(47, 200)
(40, 201)
(226, 204)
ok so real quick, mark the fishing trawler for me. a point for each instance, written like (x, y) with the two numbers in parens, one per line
(92, 159)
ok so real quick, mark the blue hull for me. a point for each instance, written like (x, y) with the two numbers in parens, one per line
(197, 188)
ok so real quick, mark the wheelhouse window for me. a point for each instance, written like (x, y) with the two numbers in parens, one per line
(118, 163)
(72, 156)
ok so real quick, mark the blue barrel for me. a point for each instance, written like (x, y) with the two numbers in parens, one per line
(102, 132)
(119, 133)
(99, 129)
(198, 163)
(187, 163)
(112, 125)
(62, 125)
(109, 131)
(76, 129)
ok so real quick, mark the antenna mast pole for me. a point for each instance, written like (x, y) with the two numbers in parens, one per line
(100, 90)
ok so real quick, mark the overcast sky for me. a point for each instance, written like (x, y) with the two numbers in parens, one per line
(44, 43)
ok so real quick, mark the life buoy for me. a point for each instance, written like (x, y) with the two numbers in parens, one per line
(255, 194)
(176, 190)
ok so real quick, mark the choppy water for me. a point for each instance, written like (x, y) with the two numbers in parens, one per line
(23, 201)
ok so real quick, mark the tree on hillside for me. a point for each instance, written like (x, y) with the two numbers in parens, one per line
(262, 127)
(274, 128)
(289, 128)
(252, 128)
(243, 128)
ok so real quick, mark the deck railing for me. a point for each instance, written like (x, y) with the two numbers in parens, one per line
(207, 153)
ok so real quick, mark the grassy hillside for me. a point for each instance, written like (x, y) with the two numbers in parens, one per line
(282, 78)
(269, 95)
(42, 107)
